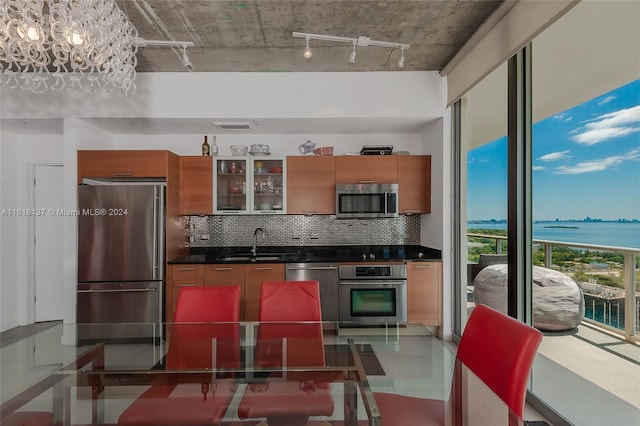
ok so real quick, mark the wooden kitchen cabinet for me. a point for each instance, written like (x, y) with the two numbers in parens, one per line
(182, 275)
(253, 278)
(196, 185)
(226, 275)
(367, 169)
(414, 184)
(311, 185)
(123, 164)
(424, 292)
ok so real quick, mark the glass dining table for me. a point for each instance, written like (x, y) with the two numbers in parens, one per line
(276, 374)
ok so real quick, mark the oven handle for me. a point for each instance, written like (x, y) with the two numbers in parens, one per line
(123, 290)
(372, 282)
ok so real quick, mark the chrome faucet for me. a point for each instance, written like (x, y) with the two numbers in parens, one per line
(254, 249)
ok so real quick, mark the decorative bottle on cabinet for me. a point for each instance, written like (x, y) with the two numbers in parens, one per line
(214, 146)
(206, 150)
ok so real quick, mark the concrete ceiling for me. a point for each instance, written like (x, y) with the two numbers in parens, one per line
(255, 35)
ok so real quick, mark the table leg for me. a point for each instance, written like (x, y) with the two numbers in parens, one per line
(350, 400)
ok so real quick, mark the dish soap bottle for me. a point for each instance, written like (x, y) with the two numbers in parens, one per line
(214, 146)
(206, 149)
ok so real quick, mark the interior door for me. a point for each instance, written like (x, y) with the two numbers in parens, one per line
(48, 233)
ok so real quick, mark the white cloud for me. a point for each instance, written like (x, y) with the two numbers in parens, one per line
(606, 100)
(538, 168)
(599, 165)
(562, 117)
(554, 156)
(611, 125)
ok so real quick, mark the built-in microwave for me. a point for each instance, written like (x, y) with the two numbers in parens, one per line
(366, 200)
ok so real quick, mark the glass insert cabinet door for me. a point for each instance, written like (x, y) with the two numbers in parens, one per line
(231, 185)
(249, 185)
(268, 185)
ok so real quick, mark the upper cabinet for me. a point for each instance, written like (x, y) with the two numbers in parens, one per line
(253, 185)
(311, 185)
(122, 164)
(196, 185)
(367, 169)
(414, 184)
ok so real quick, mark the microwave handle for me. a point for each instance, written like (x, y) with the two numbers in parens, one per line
(393, 195)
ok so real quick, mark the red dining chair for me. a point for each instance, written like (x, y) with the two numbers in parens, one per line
(497, 348)
(291, 310)
(202, 314)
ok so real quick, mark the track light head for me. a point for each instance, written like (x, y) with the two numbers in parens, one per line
(185, 59)
(401, 60)
(352, 57)
(307, 50)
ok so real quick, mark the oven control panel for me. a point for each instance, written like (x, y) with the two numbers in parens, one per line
(372, 272)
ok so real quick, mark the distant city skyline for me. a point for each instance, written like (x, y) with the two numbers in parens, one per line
(586, 163)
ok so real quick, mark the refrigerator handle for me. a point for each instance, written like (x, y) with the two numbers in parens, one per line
(158, 235)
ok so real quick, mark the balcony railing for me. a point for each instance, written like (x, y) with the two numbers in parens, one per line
(605, 306)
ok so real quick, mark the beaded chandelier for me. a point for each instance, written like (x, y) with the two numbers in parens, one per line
(84, 45)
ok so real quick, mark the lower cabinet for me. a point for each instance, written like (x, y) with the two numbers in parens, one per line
(184, 275)
(248, 277)
(254, 275)
(424, 292)
(225, 275)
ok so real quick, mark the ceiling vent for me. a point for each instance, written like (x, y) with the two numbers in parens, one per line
(235, 126)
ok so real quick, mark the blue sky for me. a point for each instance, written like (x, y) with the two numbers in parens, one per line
(586, 162)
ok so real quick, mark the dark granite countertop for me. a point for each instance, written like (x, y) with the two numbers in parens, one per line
(296, 254)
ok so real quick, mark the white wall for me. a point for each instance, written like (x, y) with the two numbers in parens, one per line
(19, 153)
(250, 95)
(198, 95)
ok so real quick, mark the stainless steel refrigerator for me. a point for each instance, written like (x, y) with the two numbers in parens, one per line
(120, 262)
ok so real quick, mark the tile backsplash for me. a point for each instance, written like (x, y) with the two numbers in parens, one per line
(299, 230)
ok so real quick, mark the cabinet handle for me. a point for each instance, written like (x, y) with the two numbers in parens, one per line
(123, 174)
(186, 285)
(264, 269)
(366, 181)
(410, 211)
(223, 269)
(186, 269)
(423, 266)
(309, 211)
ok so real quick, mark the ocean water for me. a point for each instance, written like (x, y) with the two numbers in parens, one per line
(615, 234)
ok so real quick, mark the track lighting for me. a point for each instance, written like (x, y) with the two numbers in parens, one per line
(360, 41)
(352, 57)
(185, 59)
(186, 62)
(401, 60)
(307, 51)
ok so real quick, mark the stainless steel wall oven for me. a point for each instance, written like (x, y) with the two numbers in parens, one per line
(372, 294)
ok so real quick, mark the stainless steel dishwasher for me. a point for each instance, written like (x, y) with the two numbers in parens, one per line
(327, 276)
